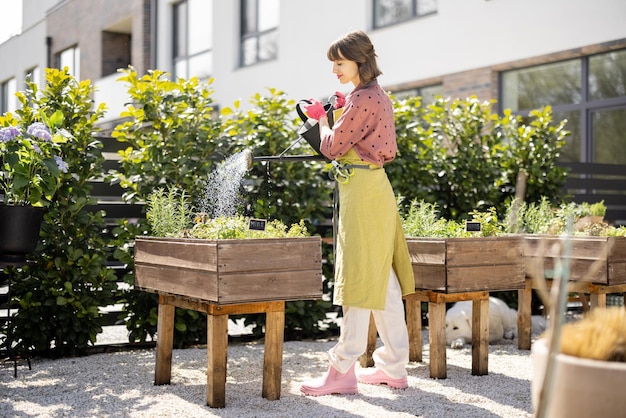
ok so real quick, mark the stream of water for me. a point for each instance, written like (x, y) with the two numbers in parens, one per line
(222, 193)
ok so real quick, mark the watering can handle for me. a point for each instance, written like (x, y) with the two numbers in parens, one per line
(328, 107)
(299, 110)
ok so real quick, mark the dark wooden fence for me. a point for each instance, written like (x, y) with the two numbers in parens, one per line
(588, 182)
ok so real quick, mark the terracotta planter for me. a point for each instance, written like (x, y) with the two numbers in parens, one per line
(581, 387)
(584, 252)
(455, 265)
(230, 271)
(587, 221)
(19, 230)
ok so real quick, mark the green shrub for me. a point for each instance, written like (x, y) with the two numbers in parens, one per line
(60, 294)
(461, 156)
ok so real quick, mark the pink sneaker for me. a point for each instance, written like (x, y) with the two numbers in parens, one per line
(331, 383)
(376, 376)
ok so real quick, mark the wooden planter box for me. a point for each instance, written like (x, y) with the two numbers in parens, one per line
(230, 271)
(584, 252)
(455, 265)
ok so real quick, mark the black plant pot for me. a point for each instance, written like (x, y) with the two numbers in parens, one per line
(19, 230)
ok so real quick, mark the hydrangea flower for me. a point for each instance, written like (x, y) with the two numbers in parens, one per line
(39, 130)
(31, 166)
(8, 134)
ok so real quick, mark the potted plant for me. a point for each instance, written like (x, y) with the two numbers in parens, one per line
(588, 215)
(579, 368)
(31, 169)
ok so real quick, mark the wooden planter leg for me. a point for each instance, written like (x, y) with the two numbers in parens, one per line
(217, 354)
(480, 336)
(165, 344)
(598, 300)
(524, 302)
(414, 327)
(273, 356)
(366, 359)
(437, 339)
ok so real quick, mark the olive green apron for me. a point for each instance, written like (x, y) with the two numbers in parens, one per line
(370, 240)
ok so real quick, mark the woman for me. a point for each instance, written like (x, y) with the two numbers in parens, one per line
(372, 265)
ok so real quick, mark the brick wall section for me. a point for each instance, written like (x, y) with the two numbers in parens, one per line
(478, 82)
(81, 23)
(484, 82)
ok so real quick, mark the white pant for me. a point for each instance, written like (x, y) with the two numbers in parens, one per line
(393, 356)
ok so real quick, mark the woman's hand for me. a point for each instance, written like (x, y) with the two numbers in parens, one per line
(340, 100)
(315, 110)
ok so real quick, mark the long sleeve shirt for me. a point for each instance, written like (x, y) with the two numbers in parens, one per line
(366, 124)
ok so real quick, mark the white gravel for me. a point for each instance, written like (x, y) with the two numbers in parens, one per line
(121, 384)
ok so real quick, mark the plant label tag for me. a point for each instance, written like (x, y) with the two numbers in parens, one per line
(257, 224)
(473, 226)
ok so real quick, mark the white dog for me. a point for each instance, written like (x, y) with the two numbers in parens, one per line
(502, 322)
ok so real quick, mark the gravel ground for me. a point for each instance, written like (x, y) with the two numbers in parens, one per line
(120, 384)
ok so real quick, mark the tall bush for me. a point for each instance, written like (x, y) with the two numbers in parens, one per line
(533, 145)
(461, 156)
(59, 295)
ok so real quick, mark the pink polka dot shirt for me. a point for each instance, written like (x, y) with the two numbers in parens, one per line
(366, 124)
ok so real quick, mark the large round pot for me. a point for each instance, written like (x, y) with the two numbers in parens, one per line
(581, 387)
(19, 229)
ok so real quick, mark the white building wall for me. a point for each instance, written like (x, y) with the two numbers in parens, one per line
(33, 42)
(462, 35)
(28, 49)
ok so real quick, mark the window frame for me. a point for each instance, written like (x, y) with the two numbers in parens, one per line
(255, 34)
(8, 88)
(74, 70)
(413, 15)
(586, 107)
(420, 92)
(186, 57)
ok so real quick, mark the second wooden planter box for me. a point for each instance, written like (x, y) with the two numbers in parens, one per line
(455, 265)
(231, 271)
(608, 252)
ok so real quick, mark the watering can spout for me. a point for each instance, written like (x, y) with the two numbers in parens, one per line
(247, 154)
(250, 158)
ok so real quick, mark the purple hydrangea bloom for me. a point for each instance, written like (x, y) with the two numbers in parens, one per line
(37, 149)
(9, 133)
(39, 130)
(63, 167)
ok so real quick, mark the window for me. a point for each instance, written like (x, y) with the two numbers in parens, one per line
(427, 93)
(8, 102)
(390, 12)
(116, 51)
(70, 58)
(33, 75)
(259, 31)
(193, 39)
(590, 92)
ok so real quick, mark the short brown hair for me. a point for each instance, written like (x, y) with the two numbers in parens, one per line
(356, 46)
